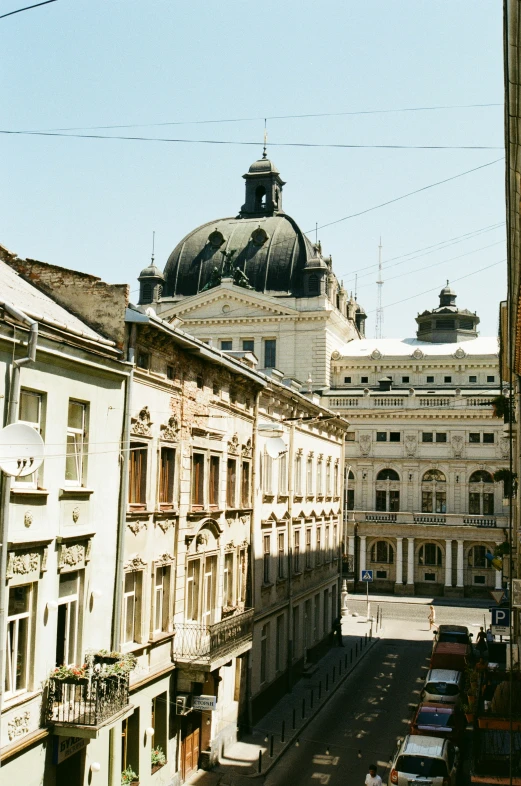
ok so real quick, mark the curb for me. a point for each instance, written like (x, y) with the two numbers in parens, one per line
(312, 717)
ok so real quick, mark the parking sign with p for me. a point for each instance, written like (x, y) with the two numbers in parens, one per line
(500, 622)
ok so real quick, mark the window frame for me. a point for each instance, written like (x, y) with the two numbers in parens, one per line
(266, 558)
(136, 594)
(281, 555)
(138, 475)
(11, 643)
(198, 480)
(80, 440)
(161, 599)
(31, 481)
(245, 483)
(231, 482)
(167, 476)
(73, 620)
(269, 349)
(214, 481)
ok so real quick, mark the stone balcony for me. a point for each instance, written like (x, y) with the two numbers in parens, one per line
(213, 645)
(404, 401)
(433, 519)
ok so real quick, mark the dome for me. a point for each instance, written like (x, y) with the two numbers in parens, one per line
(447, 291)
(271, 251)
(263, 165)
(151, 271)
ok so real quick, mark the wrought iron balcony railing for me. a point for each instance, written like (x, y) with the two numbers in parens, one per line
(87, 701)
(196, 642)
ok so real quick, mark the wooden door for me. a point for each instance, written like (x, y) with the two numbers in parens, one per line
(190, 751)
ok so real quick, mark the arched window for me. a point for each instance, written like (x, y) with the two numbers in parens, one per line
(387, 474)
(387, 490)
(430, 554)
(146, 292)
(313, 284)
(434, 496)
(481, 496)
(477, 557)
(349, 489)
(260, 198)
(382, 551)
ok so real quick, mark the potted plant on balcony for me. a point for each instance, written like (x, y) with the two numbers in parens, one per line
(469, 714)
(157, 758)
(128, 776)
(70, 673)
(111, 663)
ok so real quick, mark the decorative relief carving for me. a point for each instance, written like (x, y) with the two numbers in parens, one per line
(28, 518)
(137, 526)
(43, 566)
(245, 544)
(246, 449)
(418, 354)
(233, 444)
(365, 444)
(230, 546)
(457, 445)
(376, 354)
(201, 541)
(22, 564)
(142, 423)
(460, 353)
(231, 522)
(75, 514)
(164, 559)
(70, 556)
(165, 524)
(135, 563)
(335, 355)
(300, 452)
(18, 726)
(170, 430)
(245, 519)
(504, 447)
(411, 444)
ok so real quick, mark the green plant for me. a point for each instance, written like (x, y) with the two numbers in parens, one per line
(69, 672)
(502, 549)
(128, 776)
(509, 481)
(158, 757)
(126, 662)
(501, 405)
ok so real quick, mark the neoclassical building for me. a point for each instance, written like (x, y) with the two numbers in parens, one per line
(422, 507)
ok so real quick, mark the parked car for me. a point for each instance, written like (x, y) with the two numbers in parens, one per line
(452, 634)
(443, 686)
(450, 655)
(432, 761)
(438, 720)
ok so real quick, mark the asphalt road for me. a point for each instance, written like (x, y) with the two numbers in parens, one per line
(371, 710)
(417, 613)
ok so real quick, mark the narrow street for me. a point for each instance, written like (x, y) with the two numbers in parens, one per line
(372, 708)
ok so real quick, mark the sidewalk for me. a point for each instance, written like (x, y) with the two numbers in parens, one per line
(426, 600)
(239, 764)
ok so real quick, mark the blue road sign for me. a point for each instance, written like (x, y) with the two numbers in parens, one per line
(367, 575)
(501, 619)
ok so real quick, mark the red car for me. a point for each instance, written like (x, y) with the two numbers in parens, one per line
(439, 720)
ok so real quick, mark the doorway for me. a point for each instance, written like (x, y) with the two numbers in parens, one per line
(190, 744)
(72, 770)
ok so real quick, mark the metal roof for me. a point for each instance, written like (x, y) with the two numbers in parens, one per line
(420, 745)
(404, 347)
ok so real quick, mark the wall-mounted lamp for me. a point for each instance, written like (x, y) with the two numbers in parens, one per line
(457, 478)
(96, 594)
(410, 475)
(95, 766)
(364, 475)
(150, 731)
(52, 605)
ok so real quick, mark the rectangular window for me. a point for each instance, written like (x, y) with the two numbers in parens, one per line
(309, 476)
(268, 474)
(328, 478)
(474, 504)
(170, 373)
(480, 579)
(228, 593)
(430, 380)
(18, 643)
(209, 590)
(231, 475)
(364, 380)
(488, 438)
(488, 504)
(298, 475)
(426, 501)
(248, 345)
(76, 443)
(381, 436)
(159, 723)
(198, 479)
(336, 481)
(226, 346)
(381, 574)
(214, 481)
(347, 380)
(266, 559)
(167, 476)
(67, 635)
(131, 617)
(161, 599)
(264, 652)
(327, 544)
(137, 486)
(308, 548)
(350, 436)
(270, 353)
(281, 557)
(394, 501)
(394, 436)
(143, 360)
(193, 573)
(279, 648)
(474, 437)
(335, 541)
(350, 499)
(405, 380)
(473, 378)
(296, 551)
(283, 474)
(441, 436)
(320, 477)
(31, 414)
(245, 484)
(441, 502)
(130, 742)
(447, 379)
(491, 378)
(215, 388)
(381, 499)
(318, 555)
(427, 436)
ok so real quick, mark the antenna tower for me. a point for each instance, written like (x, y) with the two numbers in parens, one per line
(379, 307)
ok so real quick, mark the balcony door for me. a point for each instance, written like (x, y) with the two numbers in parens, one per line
(209, 591)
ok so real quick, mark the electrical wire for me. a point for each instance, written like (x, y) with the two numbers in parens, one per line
(277, 117)
(27, 8)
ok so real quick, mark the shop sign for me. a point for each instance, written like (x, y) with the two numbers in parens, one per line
(64, 747)
(204, 703)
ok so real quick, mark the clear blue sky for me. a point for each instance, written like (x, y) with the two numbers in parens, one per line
(92, 204)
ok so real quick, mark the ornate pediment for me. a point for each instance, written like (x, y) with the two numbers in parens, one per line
(170, 430)
(141, 424)
(135, 563)
(233, 444)
(246, 449)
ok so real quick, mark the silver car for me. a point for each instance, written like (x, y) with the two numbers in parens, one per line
(425, 761)
(443, 685)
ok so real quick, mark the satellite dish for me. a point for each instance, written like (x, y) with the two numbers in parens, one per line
(21, 450)
(275, 447)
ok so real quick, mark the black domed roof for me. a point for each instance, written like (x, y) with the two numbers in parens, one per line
(270, 250)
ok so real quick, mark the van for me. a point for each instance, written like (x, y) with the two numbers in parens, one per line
(443, 685)
(432, 761)
(447, 655)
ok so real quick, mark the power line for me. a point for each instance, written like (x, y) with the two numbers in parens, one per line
(27, 8)
(277, 117)
(255, 143)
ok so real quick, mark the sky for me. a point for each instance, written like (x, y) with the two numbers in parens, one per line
(92, 204)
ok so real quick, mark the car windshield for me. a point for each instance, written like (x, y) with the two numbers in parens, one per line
(434, 719)
(442, 688)
(454, 638)
(423, 766)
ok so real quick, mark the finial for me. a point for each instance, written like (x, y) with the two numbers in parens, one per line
(264, 152)
(153, 245)
(447, 282)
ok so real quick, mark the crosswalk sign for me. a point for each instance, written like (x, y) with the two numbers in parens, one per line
(367, 575)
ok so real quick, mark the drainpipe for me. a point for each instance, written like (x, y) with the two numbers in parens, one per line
(291, 463)
(251, 558)
(115, 639)
(12, 415)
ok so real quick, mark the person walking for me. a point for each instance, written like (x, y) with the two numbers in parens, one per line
(372, 778)
(481, 642)
(432, 617)
(337, 630)
(490, 636)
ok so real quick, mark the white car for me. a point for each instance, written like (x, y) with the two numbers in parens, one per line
(443, 685)
(425, 761)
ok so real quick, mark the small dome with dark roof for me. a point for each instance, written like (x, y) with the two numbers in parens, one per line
(151, 271)
(447, 323)
(263, 165)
